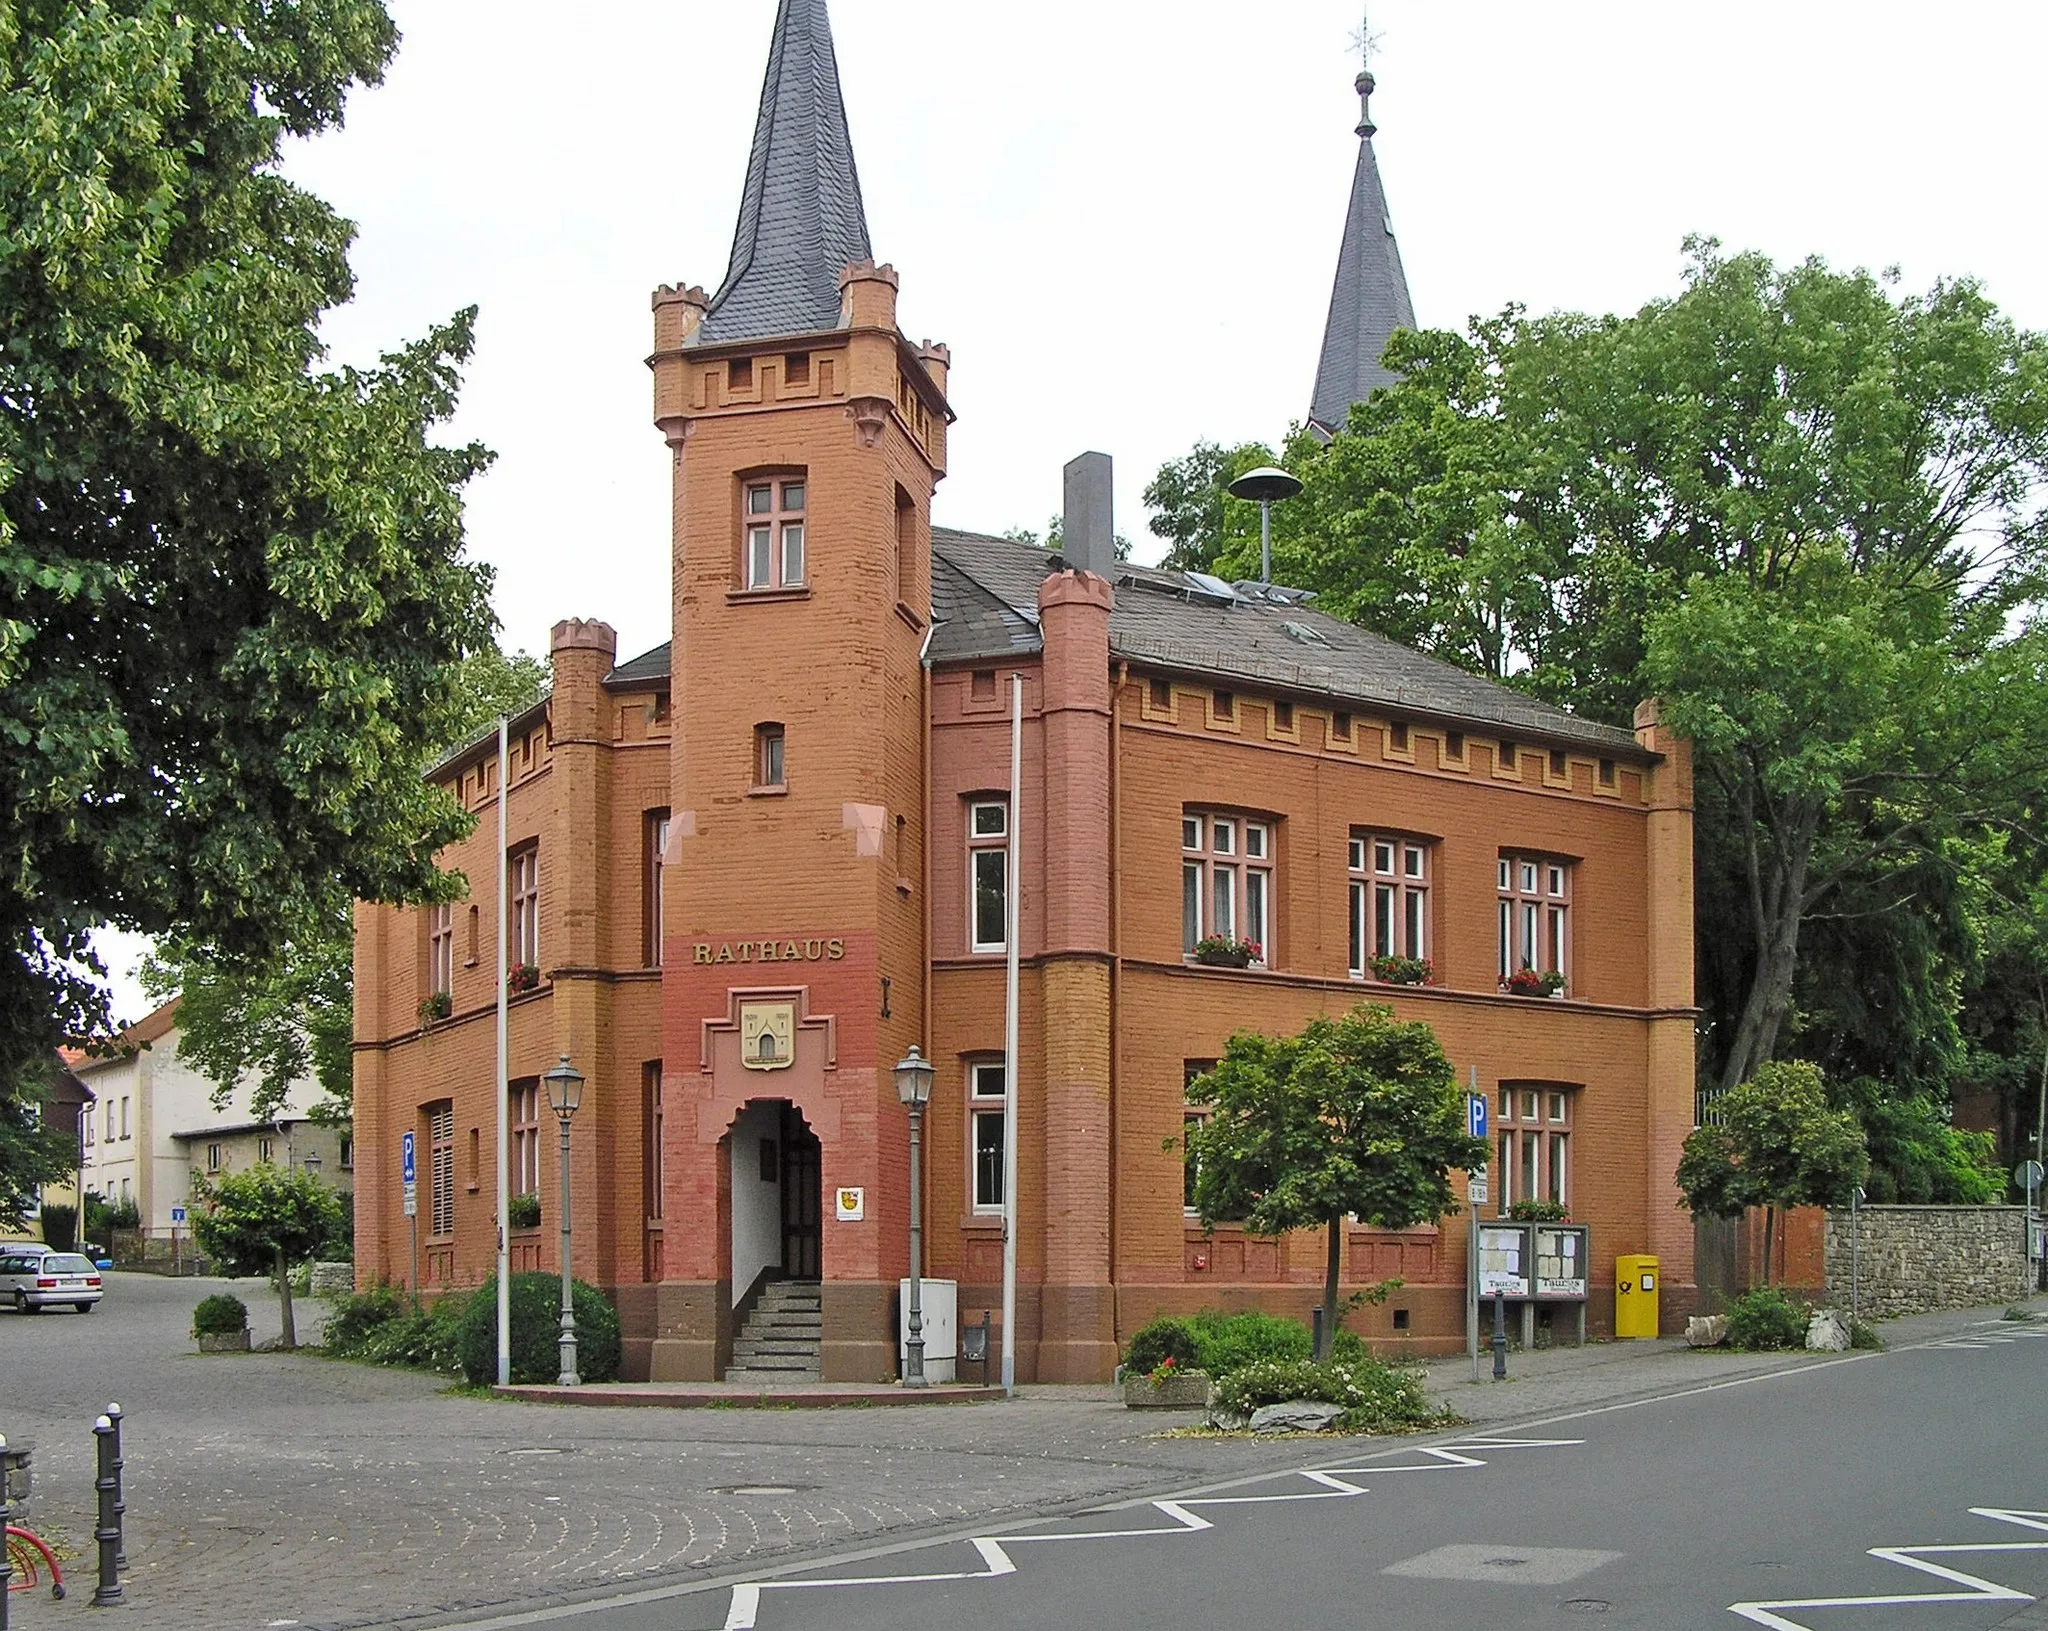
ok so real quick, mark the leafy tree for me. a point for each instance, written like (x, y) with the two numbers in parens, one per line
(33, 1151)
(262, 1221)
(1804, 510)
(1359, 1116)
(291, 1015)
(1055, 529)
(232, 588)
(1780, 1145)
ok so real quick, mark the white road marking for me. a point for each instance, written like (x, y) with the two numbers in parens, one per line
(1915, 1557)
(1333, 1484)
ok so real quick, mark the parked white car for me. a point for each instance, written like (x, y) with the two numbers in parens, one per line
(44, 1279)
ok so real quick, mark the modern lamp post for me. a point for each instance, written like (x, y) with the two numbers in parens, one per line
(1265, 487)
(565, 1095)
(914, 1075)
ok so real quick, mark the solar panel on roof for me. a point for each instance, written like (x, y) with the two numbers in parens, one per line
(1211, 587)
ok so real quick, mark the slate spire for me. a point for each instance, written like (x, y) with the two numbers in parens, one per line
(801, 222)
(1370, 298)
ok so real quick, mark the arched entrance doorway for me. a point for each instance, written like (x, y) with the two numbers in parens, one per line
(777, 1198)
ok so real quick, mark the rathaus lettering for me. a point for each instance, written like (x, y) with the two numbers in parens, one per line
(768, 951)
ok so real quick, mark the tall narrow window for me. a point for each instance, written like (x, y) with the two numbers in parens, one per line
(1389, 905)
(524, 1115)
(440, 949)
(769, 763)
(1535, 1143)
(1226, 887)
(1535, 915)
(441, 1168)
(906, 544)
(524, 880)
(651, 1167)
(654, 843)
(985, 1126)
(988, 872)
(775, 534)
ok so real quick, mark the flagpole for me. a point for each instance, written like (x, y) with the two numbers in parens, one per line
(504, 1070)
(1014, 892)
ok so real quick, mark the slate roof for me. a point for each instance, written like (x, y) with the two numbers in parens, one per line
(1370, 298)
(985, 598)
(801, 223)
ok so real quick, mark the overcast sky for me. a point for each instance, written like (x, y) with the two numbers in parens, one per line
(1123, 215)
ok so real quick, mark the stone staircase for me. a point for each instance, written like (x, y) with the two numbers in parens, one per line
(779, 1342)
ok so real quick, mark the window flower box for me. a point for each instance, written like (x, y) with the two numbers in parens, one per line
(525, 977)
(1226, 951)
(435, 1009)
(523, 1211)
(1527, 982)
(1403, 970)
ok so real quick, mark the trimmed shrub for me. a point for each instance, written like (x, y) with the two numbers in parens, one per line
(1765, 1319)
(219, 1314)
(354, 1318)
(1375, 1396)
(1229, 1342)
(536, 1330)
(1168, 1337)
(60, 1226)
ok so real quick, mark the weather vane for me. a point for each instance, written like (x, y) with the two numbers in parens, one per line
(1365, 41)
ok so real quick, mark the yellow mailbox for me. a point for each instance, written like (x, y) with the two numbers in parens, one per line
(1635, 1296)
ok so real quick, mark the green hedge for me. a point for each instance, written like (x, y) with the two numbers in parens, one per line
(1220, 1343)
(536, 1330)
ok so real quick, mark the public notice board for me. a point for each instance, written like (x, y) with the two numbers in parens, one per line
(1560, 1261)
(1504, 1260)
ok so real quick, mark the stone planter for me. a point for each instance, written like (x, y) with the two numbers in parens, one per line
(224, 1342)
(1185, 1392)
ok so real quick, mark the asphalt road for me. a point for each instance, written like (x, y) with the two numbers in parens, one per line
(1669, 1514)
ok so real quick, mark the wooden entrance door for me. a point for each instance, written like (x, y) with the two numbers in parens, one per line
(802, 1198)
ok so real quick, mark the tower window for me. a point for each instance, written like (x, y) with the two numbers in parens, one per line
(1225, 704)
(1558, 764)
(768, 759)
(1397, 733)
(796, 368)
(739, 374)
(1340, 727)
(775, 534)
(1162, 696)
(984, 685)
(1283, 715)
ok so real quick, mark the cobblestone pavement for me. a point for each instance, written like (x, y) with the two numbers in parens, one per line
(289, 1490)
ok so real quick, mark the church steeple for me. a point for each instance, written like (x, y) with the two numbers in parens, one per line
(1370, 298)
(801, 223)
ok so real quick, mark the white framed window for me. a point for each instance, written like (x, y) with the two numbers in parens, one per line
(988, 874)
(524, 1107)
(1389, 888)
(263, 1149)
(1226, 881)
(985, 1083)
(348, 1153)
(1535, 1136)
(1535, 914)
(440, 949)
(524, 881)
(771, 762)
(213, 1160)
(775, 534)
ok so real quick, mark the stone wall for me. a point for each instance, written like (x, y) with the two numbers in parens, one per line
(1913, 1258)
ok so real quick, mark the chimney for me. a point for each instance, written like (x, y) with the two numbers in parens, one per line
(1087, 530)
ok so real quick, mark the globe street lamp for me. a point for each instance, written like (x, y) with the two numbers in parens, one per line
(914, 1075)
(1265, 486)
(565, 1095)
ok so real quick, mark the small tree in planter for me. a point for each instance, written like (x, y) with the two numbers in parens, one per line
(221, 1323)
(263, 1221)
(1359, 1116)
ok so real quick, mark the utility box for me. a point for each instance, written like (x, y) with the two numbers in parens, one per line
(1635, 1296)
(938, 1310)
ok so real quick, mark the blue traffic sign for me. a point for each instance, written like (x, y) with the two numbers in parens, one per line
(1475, 1116)
(409, 1166)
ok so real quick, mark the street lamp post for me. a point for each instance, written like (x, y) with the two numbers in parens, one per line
(565, 1095)
(914, 1075)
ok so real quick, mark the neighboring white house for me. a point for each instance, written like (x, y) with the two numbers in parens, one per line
(155, 1121)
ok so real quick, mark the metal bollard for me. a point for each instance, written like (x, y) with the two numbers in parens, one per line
(1500, 1338)
(108, 1592)
(1316, 1332)
(120, 1493)
(6, 1517)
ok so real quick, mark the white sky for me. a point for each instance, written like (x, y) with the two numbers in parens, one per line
(1123, 217)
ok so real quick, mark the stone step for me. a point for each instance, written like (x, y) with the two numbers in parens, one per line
(776, 1364)
(769, 1379)
(789, 1319)
(749, 1347)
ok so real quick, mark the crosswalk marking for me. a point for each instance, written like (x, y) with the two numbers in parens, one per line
(1917, 1558)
